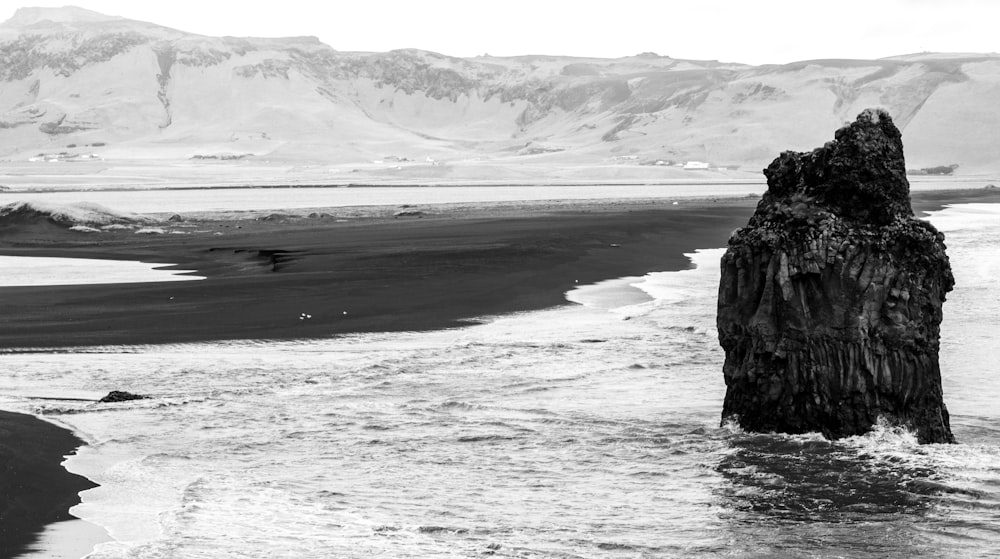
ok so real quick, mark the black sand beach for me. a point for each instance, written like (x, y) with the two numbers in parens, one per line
(35, 490)
(360, 272)
(352, 272)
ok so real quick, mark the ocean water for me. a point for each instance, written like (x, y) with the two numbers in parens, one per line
(246, 199)
(590, 430)
(44, 270)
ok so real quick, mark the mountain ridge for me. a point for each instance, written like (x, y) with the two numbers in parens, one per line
(119, 89)
(32, 15)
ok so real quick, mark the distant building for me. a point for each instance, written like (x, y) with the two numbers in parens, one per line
(696, 166)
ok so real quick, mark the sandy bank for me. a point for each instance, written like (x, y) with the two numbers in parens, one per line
(360, 269)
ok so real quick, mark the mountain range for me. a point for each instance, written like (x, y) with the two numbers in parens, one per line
(79, 86)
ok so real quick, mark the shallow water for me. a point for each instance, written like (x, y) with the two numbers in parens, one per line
(44, 270)
(247, 199)
(585, 431)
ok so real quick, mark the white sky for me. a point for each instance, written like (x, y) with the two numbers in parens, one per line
(753, 32)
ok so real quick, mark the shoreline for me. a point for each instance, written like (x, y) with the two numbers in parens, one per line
(499, 259)
(356, 270)
(37, 491)
(352, 271)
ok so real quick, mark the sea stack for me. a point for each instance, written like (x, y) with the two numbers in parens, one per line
(830, 299)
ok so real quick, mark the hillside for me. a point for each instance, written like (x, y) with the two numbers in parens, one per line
(101, 94)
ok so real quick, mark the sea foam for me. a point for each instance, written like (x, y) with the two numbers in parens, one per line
(566, 432)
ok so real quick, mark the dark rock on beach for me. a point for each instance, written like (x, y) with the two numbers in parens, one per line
(830, 300)
(119, 396)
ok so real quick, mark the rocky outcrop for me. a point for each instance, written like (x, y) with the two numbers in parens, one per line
(830, 299)
(116, 396)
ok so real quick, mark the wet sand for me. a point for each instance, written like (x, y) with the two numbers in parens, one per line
(35, 490)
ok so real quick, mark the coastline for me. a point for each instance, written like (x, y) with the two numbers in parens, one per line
(35, 490)
(437, 270)
(361, 269)
(354, 270)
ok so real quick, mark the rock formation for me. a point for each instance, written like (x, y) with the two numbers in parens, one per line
(830, 299)
(116, 396)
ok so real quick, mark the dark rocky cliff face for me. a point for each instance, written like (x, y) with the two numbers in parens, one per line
(830, 299)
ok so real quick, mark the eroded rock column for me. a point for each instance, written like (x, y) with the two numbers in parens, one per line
(830, 298)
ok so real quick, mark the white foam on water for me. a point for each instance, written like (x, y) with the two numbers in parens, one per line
(151, 458)
(69, 539)
(20, 271)
(566, 432)
(656, 292)
(885, 437)
(264, 441)
(673, 287)
(608, 294)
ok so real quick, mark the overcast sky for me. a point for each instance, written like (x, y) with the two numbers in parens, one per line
(754, 32)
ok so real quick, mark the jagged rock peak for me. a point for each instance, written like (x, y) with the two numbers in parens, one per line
(830, 300)
(24, 17)
(860, 175)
